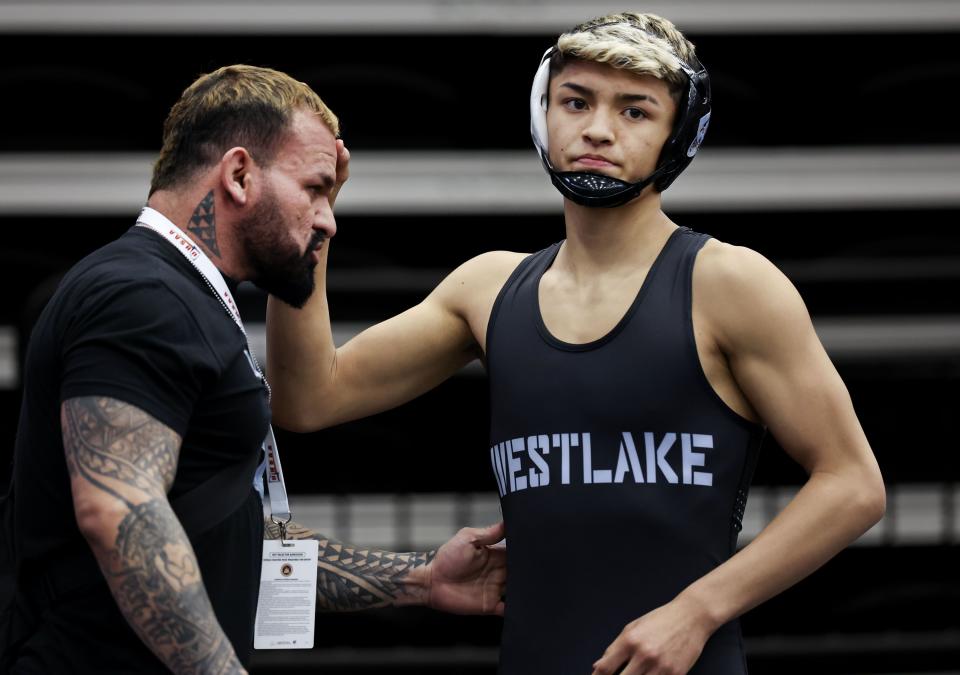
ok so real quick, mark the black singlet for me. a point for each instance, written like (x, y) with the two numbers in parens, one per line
(622, 475)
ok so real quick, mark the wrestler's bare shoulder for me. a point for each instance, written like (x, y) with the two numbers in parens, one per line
(482, 275)
(471, 290)
(729, 264)
(735, 287)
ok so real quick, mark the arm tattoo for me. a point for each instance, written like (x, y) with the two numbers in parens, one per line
(113, 445)
(350, 579)
(203, 224)
(117, 449)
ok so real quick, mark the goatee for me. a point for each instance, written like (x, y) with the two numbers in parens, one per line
(279, 268)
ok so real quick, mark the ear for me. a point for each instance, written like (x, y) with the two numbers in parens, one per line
(237, 175)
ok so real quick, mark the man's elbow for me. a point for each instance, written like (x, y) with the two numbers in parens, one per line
(98, 521)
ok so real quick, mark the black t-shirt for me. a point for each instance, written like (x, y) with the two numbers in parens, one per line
(135, 321)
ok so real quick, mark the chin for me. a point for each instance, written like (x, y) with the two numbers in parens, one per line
(294, 295)
(292, 282)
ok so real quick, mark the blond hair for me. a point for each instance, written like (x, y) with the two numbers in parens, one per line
(233, 106)
(644, 44)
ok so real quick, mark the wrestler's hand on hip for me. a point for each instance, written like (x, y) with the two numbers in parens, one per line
(666, 641)
(343, 170)
(469, 573)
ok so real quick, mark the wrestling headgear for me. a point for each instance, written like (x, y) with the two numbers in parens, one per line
(592, 189)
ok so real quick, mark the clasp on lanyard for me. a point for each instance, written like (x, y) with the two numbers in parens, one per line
(282, 524)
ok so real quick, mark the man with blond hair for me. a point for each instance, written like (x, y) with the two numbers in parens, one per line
(138, 526)
(634, 367)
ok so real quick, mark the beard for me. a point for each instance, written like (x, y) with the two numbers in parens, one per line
(278, 265)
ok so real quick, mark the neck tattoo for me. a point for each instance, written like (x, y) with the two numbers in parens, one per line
(203, 224)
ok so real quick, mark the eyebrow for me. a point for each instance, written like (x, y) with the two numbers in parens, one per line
(627, 98)
(326, 180)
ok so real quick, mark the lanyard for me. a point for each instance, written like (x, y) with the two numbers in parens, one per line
(156, 221)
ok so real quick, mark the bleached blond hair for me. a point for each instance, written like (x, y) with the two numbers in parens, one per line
(236, 105)
(644, 44)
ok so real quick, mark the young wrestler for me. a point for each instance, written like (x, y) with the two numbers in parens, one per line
(633, 369)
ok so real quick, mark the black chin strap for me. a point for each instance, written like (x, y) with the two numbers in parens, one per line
(596, 190)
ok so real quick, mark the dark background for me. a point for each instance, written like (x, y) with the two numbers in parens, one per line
(891, 606)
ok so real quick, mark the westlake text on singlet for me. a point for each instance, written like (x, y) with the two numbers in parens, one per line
(664, 460)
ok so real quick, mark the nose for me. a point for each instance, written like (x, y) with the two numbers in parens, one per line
(599, 130)
(324, 221)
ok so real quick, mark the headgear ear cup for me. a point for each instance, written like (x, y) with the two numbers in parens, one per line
(597, 190)
(693, 118)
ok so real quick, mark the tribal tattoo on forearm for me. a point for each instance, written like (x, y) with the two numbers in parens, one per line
(150, 566)
(351, 579)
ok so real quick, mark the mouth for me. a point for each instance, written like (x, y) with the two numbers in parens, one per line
(315, 245)
(594, 162)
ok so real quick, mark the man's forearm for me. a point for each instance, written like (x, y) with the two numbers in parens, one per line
(351, 579)
(153, 574)
(828, 513)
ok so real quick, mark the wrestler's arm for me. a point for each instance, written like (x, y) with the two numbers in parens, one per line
(762, 326)
(121, 463)
(316, 385)
(466, 575)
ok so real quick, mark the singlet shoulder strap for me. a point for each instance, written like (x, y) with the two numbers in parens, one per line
(670, 283)
(683, 249)
(686, 251)
(530, 267)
